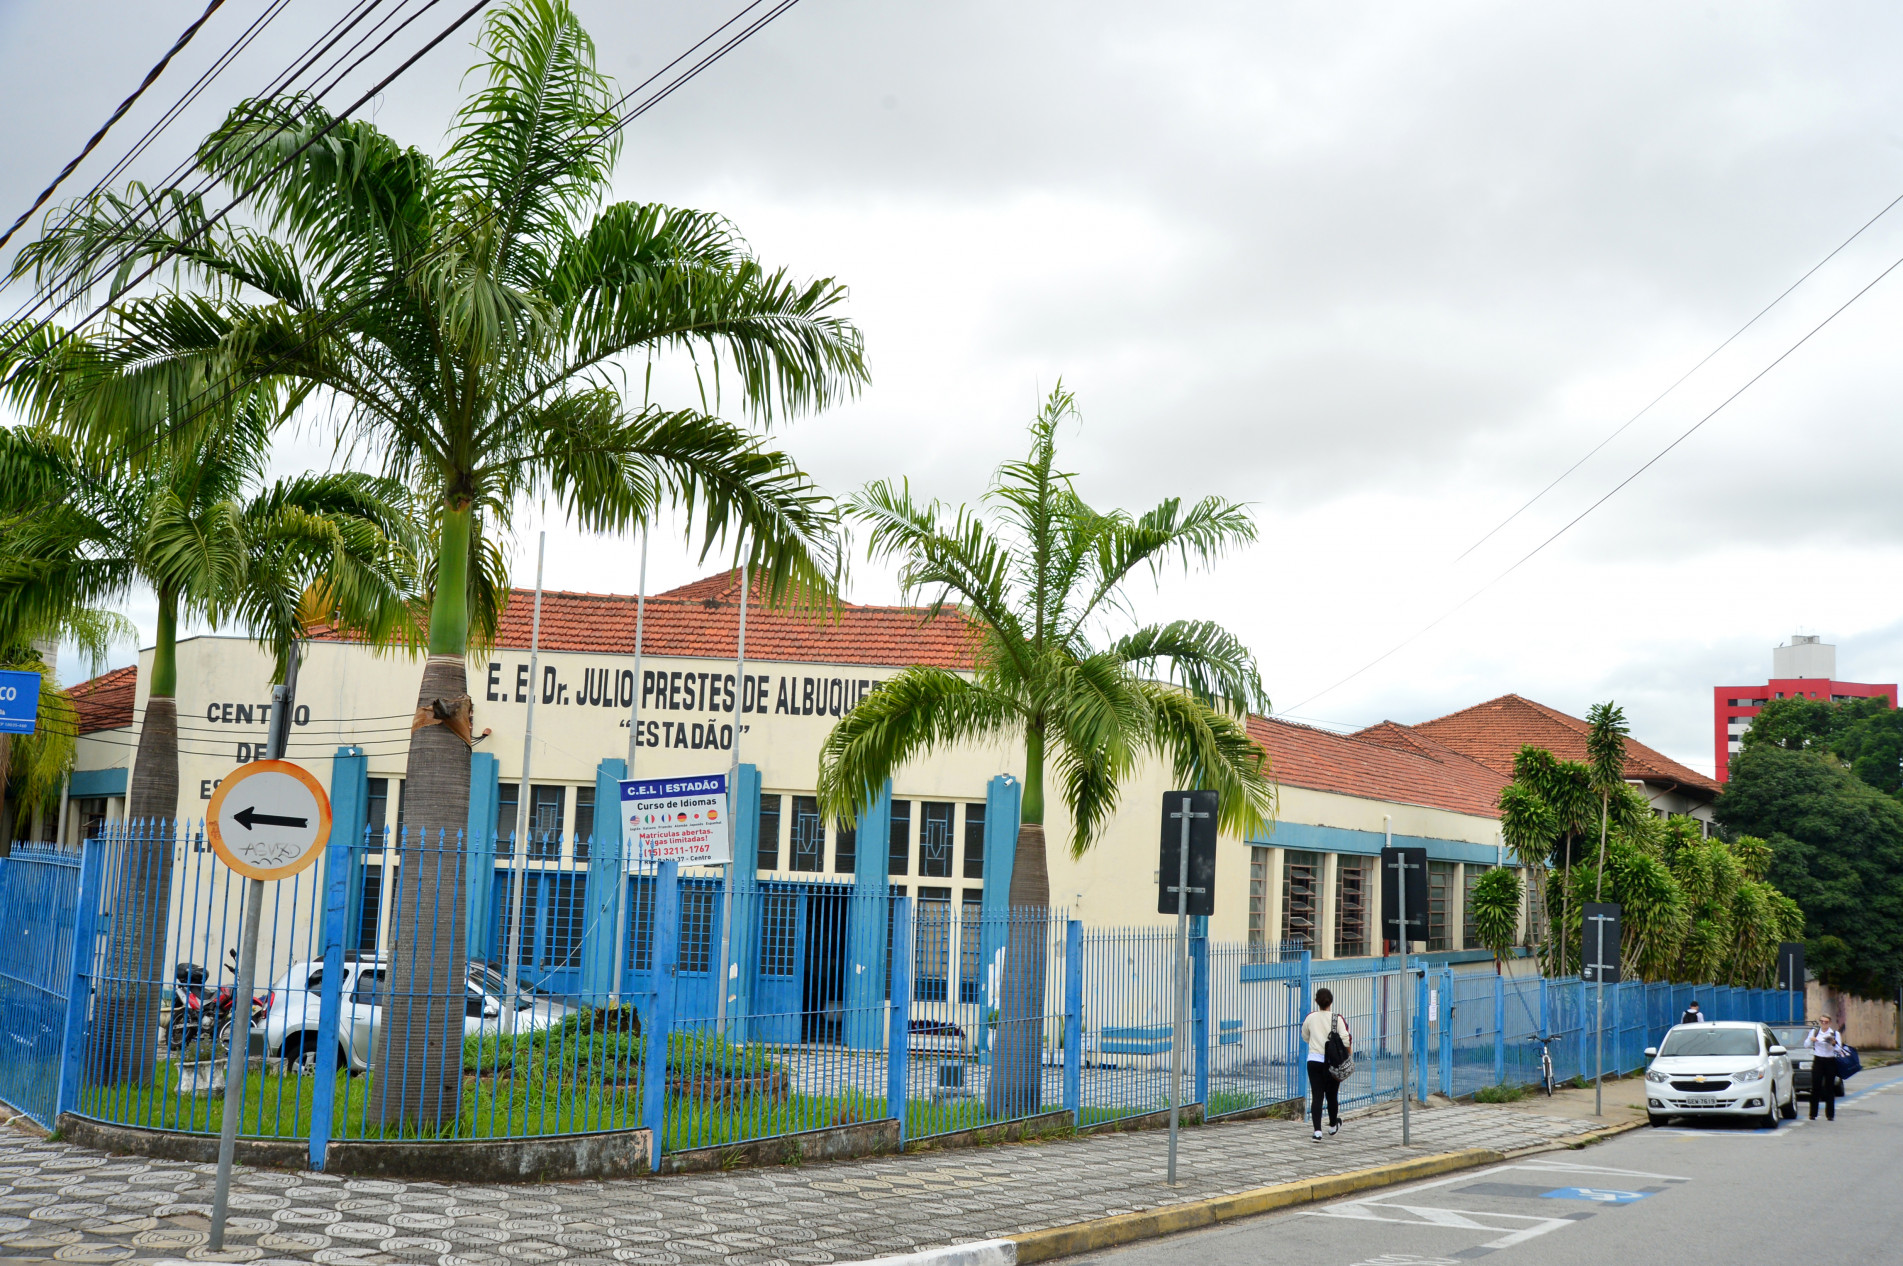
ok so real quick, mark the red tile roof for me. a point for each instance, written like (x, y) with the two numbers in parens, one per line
(105, 702)
(1493, 733)
(1418, 773)
(701, 620)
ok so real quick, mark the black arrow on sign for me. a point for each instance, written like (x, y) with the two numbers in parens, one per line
(249, 817)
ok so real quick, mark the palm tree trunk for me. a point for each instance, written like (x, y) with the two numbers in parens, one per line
(6, 819)
(420, 1045)
(1017, 1062)
(142, 897)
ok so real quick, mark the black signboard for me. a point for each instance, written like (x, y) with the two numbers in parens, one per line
(1790, 966)
(1599, 951)
(1413, 863)
(1202, 853)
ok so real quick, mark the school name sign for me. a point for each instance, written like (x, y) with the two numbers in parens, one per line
(676, 820)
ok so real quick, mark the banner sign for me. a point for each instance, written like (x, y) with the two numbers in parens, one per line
(19, 702)
(676, 820)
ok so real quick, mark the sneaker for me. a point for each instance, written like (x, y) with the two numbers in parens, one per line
(1318, 1136)
(1334, 1129)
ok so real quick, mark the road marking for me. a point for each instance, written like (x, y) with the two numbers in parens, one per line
(1598, 1195)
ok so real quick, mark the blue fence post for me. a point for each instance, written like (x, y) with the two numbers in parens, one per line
(92, 866)
(338, 867)
(1074, 1021)
(1499, 1029)
(607, 880)
(660, 1025)
(1546, 1017)
(1445, 1014)
(479, 855)
(899, 1030)
(1199, 1007)
(867, 912)
(744, 874)
(1004, 800)
(1420, 1036)
(349, 818)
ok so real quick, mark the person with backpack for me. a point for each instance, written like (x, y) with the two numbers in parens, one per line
(1692, 1014)
(1330, 1052)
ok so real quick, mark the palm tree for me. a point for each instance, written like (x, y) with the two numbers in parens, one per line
(1605, 757)
(1543, 811)
(1033, 580)
(465, 319)
(1496, 911)
(212, 541)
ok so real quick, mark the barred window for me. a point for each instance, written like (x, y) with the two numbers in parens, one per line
(1469, 934)
(697, 928)
(808, 850)
(370, 910)
(1301, 898)
(935, 841)
(1258, 903)
(769, 842)
(778, 913)
(845, 848)
(974, 841)
(641, 925)
(584, 821)
(1352, 876)
(547, 806)
(1440, 882)
(970, 945)
(931, 944)
(898, 854)
(567, 915)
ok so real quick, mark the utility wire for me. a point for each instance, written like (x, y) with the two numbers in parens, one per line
(151, 76)
(1680, 380)
(1614, 491)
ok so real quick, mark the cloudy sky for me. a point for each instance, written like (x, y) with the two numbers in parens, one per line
(1382, 271)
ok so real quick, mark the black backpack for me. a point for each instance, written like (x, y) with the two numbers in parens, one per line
(1335, 1053)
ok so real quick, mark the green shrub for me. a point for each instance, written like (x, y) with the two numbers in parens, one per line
(1500, 1094)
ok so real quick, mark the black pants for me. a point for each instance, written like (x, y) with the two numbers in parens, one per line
(1824, 1086)
(1323, 1086)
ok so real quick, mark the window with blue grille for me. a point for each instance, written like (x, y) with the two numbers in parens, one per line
(974, 841)
(935, 841)
(808, 850)
(779, 913)
(970, 945)
(697, 928)
(769, 847)
(931, 944)
(641, 925)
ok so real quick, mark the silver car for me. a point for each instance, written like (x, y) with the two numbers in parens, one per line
(291, 1023)
(1792, 1037)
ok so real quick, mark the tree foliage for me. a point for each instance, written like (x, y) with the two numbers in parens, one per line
(1865, 734)
(1835, 844)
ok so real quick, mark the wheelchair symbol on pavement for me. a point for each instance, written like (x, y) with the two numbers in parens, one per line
(1598, 1195)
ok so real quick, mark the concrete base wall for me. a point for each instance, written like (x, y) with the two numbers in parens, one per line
(610, 1154)
(1190, 1114)
(838, 1142)
(1058, 1122)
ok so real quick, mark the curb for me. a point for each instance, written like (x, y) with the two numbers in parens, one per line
(1130, 1228)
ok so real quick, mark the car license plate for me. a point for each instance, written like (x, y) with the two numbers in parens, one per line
(1701, 1101)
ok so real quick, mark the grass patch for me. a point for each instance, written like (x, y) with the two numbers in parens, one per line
(1500, 1094)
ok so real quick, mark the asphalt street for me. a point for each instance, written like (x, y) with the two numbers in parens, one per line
(1697, 1193)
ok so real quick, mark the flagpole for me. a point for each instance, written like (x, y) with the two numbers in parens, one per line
(628, 857)
(733, 804)
(518, 853)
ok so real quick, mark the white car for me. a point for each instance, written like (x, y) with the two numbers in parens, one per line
(291, 1021)
(1724, 1068)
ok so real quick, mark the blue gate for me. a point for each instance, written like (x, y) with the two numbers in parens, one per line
(39, 896)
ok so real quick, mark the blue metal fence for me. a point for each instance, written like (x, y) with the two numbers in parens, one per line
(776, 1008)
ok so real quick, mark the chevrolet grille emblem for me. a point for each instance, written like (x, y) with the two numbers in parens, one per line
(1700, 1077)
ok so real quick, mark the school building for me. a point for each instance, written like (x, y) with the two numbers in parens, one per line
(944, 834)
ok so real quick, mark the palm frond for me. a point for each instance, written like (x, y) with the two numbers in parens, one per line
(918, 711)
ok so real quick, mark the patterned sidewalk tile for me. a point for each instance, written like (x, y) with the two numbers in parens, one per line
(59, 1202)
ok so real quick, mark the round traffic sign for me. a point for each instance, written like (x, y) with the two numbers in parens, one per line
(268, 819)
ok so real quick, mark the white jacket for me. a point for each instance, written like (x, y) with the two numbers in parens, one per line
(1315, 1032)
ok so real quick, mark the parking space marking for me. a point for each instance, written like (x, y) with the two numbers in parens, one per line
(1509, 1229)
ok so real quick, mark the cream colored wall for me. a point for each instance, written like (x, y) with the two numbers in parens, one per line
(1112, 884)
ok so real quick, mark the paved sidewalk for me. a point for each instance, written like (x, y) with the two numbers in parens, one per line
(58, 1201)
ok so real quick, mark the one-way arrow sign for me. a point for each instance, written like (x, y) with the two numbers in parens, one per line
(269, 819)
(249, 817)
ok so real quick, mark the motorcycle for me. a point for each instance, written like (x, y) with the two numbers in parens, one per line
(193, 1012)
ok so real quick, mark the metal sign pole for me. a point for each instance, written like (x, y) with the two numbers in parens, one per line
(634, 739)
(1400, 867)
(519, 848)
(1599, 1024)
(238, 1057)
(1179, 1034)
(728, 968)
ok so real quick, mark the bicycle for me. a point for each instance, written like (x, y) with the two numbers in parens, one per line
(1546, 1061)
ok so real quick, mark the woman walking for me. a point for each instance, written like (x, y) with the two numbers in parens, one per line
(1826, 1045)
(1323, 1087)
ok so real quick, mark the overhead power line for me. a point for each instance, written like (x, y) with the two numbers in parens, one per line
(1614, 491)
(1680, 380)
(151, 77)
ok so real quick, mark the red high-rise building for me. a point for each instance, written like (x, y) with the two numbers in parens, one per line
(1805, 669)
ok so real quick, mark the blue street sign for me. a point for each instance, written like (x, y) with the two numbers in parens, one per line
(19, 702)
(1598, 1195)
